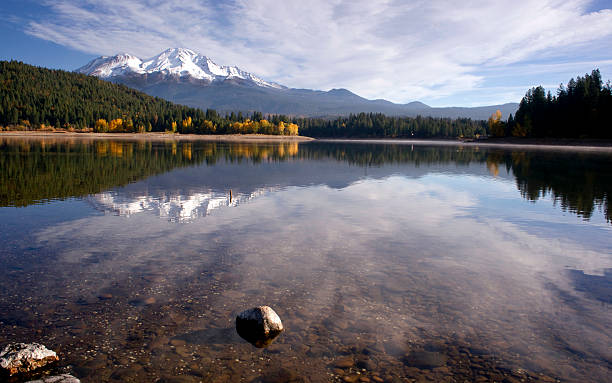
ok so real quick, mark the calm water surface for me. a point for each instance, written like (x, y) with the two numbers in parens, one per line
(386, 262)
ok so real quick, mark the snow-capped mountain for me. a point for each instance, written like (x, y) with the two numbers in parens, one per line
(185, 77)
(174, 62)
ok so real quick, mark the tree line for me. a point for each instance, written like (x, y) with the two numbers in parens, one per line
(579, 110)
(34, 98)
(377, 125)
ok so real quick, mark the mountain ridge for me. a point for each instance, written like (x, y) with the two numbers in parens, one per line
(181, 62)
(183, 76)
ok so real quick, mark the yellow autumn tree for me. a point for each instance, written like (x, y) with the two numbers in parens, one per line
(101, 126)
(265, 127)
(116, 125)
(209, 127)
(496, 126)
(291, 129)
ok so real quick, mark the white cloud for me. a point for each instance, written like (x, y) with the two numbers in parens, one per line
(382, 49)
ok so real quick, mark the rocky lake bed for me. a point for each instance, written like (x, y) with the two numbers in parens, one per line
(385, 263)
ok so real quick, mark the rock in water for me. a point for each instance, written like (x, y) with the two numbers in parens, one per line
(64, 378)
(425, 359)
(23, 357)
(259, 325)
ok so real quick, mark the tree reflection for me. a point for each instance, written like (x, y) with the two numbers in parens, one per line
(35, 170)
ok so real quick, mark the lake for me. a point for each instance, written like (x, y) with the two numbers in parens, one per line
(385, 261)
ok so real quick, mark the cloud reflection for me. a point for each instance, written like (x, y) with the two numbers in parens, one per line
(387, 257)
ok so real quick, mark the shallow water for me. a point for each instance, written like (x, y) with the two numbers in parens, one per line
(385, 262)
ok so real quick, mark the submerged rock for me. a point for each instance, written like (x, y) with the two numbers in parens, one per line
(259, 325)
(64, 378)
(425, 359)
(24, 357)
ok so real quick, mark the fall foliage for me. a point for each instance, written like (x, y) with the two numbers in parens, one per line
(496, 126)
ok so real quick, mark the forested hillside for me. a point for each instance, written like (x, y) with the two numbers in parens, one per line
(38, 98)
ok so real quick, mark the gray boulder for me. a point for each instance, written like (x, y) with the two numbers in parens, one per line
(64, 378)
(24, 357)
(259, 325)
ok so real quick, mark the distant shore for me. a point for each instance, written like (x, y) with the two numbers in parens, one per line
(506, 142)
(159, 136)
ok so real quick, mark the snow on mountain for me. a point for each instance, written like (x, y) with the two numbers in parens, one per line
(105, 67)
(179, 62)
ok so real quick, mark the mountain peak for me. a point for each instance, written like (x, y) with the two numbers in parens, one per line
(180, 49)
(417, 105)
(340, 91)
(172, 62)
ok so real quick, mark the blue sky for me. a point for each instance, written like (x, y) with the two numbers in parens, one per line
(441, 52)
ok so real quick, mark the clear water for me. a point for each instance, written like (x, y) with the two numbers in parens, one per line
(386, 262)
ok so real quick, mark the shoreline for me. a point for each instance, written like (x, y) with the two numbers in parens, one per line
(503, 143)
(589, 145)
(158, 136)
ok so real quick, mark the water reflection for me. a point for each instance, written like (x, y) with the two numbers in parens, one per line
(389, 261)
(40, 170)
(175, 208)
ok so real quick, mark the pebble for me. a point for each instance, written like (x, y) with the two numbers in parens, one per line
(149, 301)
(346, 362)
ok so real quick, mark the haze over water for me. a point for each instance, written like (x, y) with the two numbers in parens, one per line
(388, 260)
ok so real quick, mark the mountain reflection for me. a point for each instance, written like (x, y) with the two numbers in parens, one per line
(174, 208)
(38, 170)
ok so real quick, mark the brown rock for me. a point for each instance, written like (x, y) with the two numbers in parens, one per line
(177, 342)
(425, 359)
(545, 378)
(182, 351)
(259, 325)
(22, 357)
(346, 362)
(149, 301)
